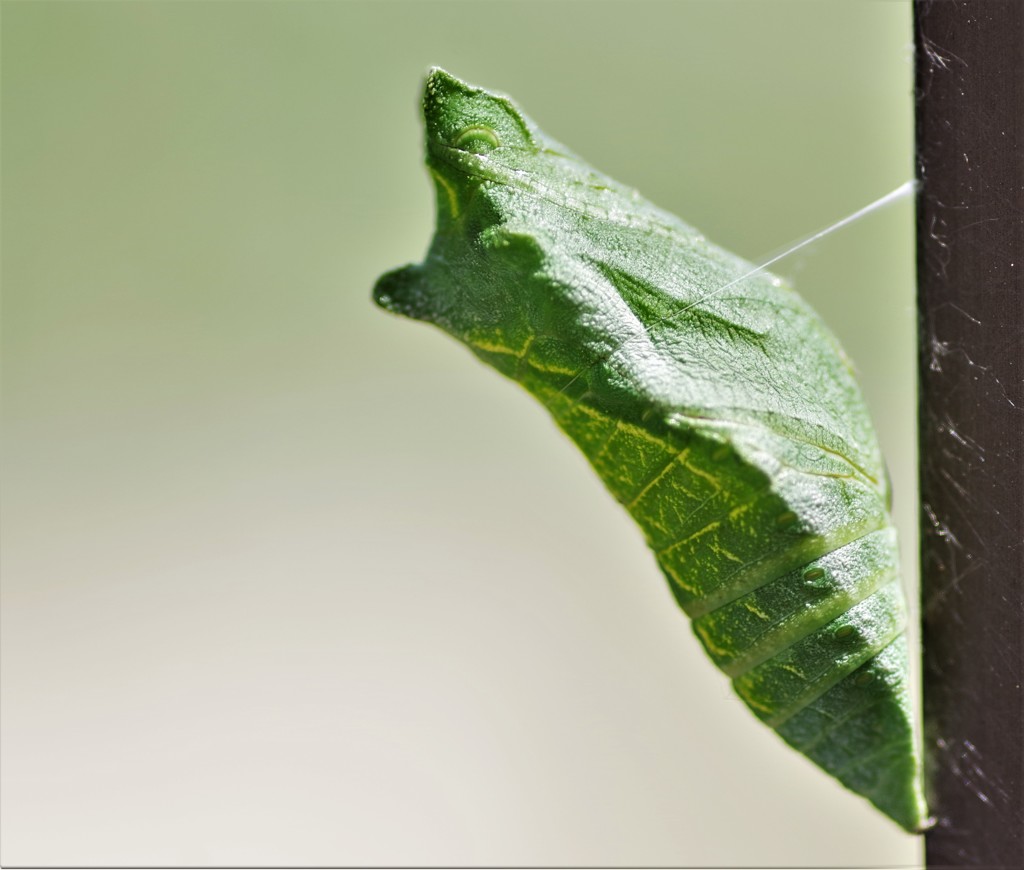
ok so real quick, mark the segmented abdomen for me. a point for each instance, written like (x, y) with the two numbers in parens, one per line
(788, 566)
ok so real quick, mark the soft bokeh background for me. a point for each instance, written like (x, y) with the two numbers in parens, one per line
(287, 580)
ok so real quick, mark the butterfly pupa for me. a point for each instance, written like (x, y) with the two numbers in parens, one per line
(714, 404)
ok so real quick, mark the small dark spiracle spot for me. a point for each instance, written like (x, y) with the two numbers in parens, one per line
(787, 522)
(721, 454)
(816, 580)
(477, 139)
(862, 679)
(844, 632)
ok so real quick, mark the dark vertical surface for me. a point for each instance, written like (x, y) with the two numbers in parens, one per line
(970, 105)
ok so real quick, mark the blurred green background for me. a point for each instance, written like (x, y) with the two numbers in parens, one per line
(290, 581)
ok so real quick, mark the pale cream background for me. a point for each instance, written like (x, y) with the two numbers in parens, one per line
(289, 581)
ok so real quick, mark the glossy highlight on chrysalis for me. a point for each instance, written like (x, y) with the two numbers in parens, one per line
(717, 409)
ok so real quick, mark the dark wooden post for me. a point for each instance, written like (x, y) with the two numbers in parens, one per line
(970, 151)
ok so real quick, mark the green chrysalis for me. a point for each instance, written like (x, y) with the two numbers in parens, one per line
(715, 406)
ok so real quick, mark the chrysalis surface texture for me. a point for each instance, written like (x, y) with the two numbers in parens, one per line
(715, 406)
